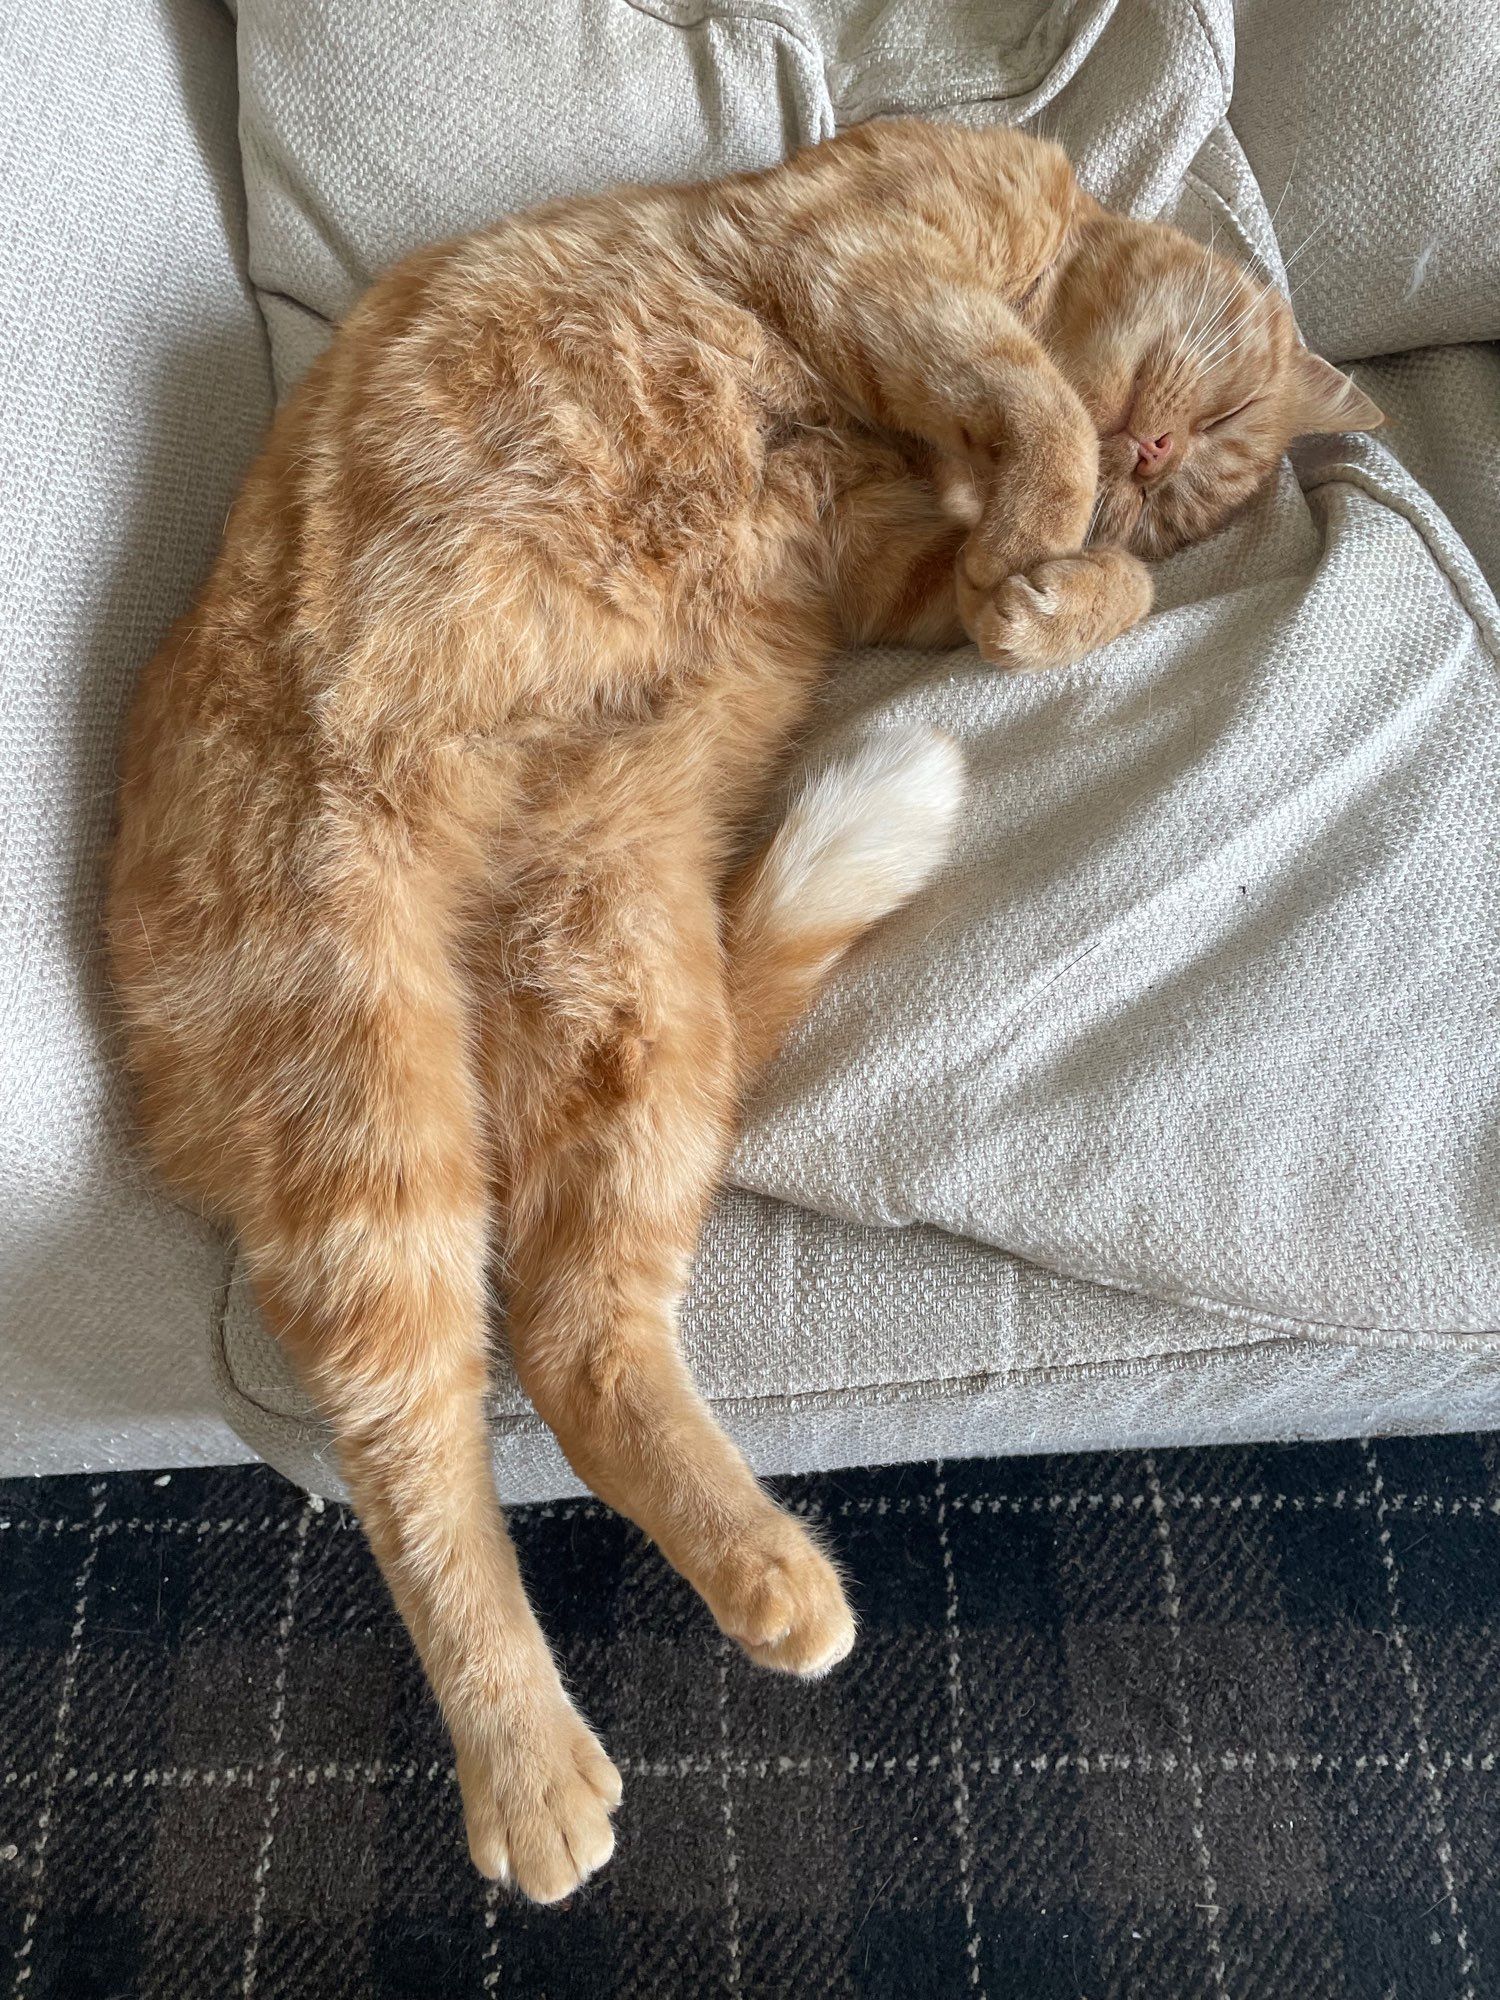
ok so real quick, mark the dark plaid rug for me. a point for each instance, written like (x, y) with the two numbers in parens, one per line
(1219, 1723)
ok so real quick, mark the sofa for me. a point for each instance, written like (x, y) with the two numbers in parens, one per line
(1169, 1114)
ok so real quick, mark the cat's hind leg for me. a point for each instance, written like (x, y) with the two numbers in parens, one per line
(614, 1097)
(326, 1094)
(614, 1130)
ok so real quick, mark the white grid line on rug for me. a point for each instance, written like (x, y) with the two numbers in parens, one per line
(340, 1519)
(274, 1778)
(1245, 1762)
(963, 1827)
(490, 1966)
(726, 1809)
(1193, 1771)
(53, 1768)
(1437, 1808)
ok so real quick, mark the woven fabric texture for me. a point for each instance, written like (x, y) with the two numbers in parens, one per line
(1444, 410)
(134, 381)
(816, 1341)
(1202, 1724)
(1372, 127)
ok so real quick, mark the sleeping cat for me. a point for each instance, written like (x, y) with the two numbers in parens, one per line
(422, 916)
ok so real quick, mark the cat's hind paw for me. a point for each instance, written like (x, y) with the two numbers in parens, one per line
(537, 1802)
(780, 1597)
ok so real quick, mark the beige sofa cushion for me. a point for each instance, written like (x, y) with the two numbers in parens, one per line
(823, 1344)
(134, 383)
(1444, 410)
(1374, 127)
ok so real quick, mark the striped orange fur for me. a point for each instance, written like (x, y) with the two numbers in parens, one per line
(435, 966)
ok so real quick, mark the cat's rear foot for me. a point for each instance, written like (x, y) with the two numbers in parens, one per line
(778, 1594)
(538, 1793)
(1061, 610)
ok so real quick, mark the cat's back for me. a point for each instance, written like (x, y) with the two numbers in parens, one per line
(586, 361)
(584, 423)
(552, 455)
(586, 369)
(562, 410)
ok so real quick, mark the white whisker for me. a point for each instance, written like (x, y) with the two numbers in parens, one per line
(1229, 300)
(1177, 360)
(1316, 230)
(1182, 355)
(1208, 271)
(1088, 533)
(1241, 328)
(1253, 327)
(1286, 187)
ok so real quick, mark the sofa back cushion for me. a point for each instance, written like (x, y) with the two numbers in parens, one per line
(1374, 129)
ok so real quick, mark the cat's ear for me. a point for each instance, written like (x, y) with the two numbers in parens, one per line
(1323, 399)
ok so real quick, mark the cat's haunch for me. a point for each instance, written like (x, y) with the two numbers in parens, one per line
(433, 963)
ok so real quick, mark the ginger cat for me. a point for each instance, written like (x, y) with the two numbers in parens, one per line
(420, 917)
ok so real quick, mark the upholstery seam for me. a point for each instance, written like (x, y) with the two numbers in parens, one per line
(1365, 482)
(1226, 78)
(981, 1381)
(874, 56)
(708, 15)
(1210, 198)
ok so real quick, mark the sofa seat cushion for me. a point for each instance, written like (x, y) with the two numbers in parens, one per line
(822, 1343)
(134, 384)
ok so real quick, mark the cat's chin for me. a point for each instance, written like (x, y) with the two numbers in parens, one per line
(1119, 511)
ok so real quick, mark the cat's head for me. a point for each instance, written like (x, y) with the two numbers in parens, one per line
(1195, 375)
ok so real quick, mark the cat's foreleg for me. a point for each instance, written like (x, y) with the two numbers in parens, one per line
(1062, 609)
(1030, 593)
(957, 369)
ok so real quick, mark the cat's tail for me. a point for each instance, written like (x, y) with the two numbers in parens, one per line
(861, 839)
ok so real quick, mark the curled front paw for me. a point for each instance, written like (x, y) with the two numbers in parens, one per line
(1059, 611)
(537, 1800)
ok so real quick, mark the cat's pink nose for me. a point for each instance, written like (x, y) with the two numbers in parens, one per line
(1150, 453)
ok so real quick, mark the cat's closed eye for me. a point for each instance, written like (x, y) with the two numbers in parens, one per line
(1228, 416)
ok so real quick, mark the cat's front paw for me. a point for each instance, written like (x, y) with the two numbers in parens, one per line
(780, 1597)
(537, 1798)
(1061, 610)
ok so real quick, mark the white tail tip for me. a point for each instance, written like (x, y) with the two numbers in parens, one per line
(866, 834)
